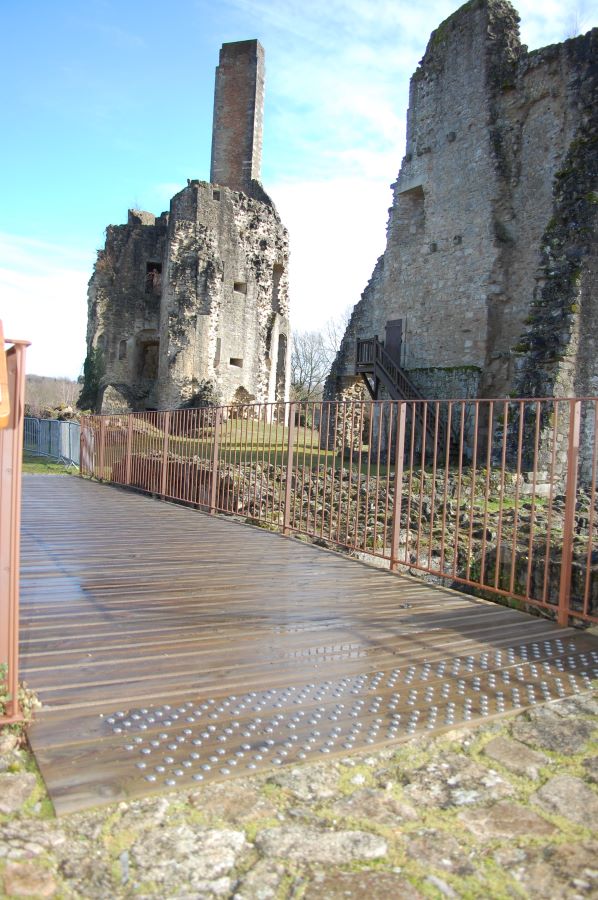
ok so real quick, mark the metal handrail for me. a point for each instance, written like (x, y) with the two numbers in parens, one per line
(489, 502)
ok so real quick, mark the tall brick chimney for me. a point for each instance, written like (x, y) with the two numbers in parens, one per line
(238, 116)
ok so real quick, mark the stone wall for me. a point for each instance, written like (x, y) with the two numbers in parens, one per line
(490, 130)
(124, 310)
(225, 301)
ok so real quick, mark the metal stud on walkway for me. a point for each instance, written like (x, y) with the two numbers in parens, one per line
(217, 737)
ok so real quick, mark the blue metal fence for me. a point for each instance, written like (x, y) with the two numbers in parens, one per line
(53, 438)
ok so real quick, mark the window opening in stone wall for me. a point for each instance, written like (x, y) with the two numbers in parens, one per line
(216, 195)
(101, 342)
(122, 350)
(153, 278)
(276, 276)
(281, 366)
(410, 218)
(148, 360)
(236, 361)
(240, 287)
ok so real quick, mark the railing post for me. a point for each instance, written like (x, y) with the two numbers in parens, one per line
(398, 497)
(569, 519)
(128, 450)
(81, 431)
(164, 474)
(101, 454)
(215, 450)
(289, 480)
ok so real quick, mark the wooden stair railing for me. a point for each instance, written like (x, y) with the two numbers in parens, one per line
(372, 359)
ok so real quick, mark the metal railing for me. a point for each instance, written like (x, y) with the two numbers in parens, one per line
(502, 502)
(54, 438)
(12, 400)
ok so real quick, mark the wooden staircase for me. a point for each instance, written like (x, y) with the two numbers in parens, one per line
(372, 360)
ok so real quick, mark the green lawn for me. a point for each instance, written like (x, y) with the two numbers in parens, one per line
(43, 465)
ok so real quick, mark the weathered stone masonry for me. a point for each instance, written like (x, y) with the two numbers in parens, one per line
(194, 303)
(490, 261)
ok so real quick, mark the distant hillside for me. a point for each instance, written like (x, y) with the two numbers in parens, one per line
(43, 395)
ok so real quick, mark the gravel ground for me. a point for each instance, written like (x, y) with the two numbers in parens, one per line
(505, 810)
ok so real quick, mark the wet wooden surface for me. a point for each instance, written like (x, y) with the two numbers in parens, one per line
(169, 647)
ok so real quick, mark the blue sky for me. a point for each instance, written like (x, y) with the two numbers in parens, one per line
(107, 104)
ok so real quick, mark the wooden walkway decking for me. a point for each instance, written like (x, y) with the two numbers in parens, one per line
(170, 647)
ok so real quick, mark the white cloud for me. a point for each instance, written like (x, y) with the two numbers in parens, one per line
(43, 292)
(333, 253)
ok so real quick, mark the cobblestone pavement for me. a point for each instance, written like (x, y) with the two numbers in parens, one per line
(505, 810)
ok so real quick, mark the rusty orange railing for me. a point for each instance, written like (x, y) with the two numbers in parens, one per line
(12, 404)
(497, 497)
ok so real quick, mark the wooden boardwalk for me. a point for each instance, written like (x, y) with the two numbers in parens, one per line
(170, 647)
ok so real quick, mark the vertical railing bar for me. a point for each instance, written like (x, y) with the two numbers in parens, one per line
(166, 440)
(398, 494)
(202, 420)
(359, 474)
(267, 410)
(410, 484)
(281, 432)
(555, 425)
(532, 521)
(518, 476)
(308, 439)
(503, 469)
(289, 479)
(272, 481)
(350, 480)
(459, 482)
(313, 478)
(214, 460)
(326, 451)
(373, 410)
(591, 517)
(380, 421)
(422, 479)
(447, 462)
(102, 447)
(391, 416)
(490, 427)
(333, 508)
(433, 491)
(254, 464)
(296, 490)
(569, 519)
(474, 473)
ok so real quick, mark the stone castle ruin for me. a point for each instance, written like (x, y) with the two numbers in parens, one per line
(193, 305)
(488, 284)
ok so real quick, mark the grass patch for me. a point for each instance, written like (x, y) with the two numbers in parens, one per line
(43, 465)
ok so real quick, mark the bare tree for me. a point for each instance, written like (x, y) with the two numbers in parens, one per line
(45, 395)
(334, 331)
(312, 355)
(310, 363)
(576, 22)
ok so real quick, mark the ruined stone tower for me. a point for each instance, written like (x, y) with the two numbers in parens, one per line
(488, 285)
(193, 304)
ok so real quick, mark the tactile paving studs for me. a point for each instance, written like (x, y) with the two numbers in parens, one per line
(353, 713)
